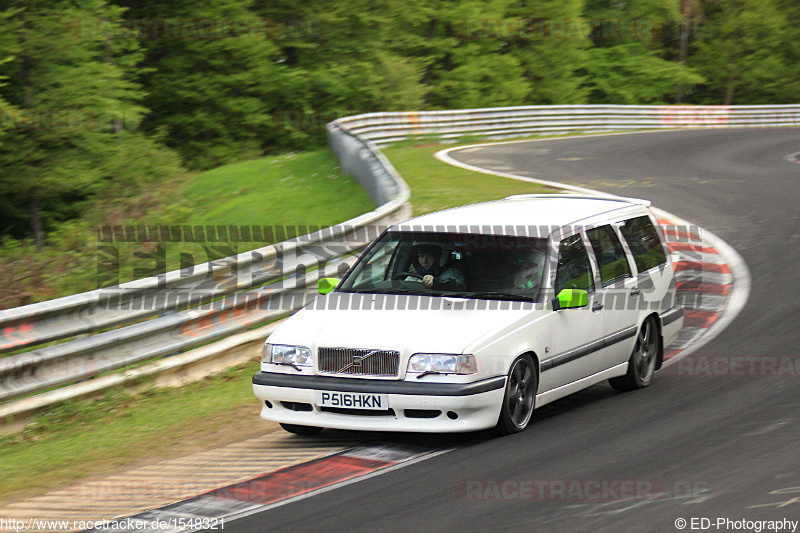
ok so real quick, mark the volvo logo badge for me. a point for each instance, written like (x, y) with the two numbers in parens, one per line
(358, 359)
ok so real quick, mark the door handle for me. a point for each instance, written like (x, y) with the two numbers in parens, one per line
(635, 291)
(597, 306)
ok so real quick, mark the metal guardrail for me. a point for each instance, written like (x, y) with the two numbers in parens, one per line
(104, 352)
(385, 128)
(166, 314)
(230, 299)
(103, 308)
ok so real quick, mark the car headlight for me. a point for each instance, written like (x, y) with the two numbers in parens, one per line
(284, 354)
(438, 363)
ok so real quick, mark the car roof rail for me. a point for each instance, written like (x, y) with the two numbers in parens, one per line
(637, 201)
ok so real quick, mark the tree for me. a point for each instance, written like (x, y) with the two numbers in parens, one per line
(9, 211)
(347, 58)
(75, 109)
(552, 47)
(791, 49)
(7, 50)
(692, 14)
(746, 53)
(469, 61)
(215, 78)
(629, 63)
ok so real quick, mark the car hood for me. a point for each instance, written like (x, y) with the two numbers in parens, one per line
(408, 323)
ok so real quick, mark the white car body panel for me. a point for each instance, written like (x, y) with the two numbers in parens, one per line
(421, 330)
(572, 348)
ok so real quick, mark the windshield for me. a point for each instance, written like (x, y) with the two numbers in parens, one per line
(493, 267)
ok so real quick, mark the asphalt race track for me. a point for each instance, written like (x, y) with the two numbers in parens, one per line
(717, 435)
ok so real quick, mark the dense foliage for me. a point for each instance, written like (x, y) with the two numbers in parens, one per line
(103, 98)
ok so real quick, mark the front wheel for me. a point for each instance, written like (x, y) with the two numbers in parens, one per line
(520, 397)
(302, 430)
(642, 363)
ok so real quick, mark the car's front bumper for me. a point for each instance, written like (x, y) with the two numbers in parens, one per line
(460, 407)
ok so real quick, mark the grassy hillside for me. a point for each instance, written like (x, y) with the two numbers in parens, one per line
(288, 190)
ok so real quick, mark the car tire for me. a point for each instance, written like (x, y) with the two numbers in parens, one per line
(519, 399)
(302, 430)
(642, 363)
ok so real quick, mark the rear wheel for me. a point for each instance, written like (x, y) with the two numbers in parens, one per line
(520, 397)
(302, 430)
(642, 363)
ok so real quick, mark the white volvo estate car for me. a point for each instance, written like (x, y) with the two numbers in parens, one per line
(470, 318)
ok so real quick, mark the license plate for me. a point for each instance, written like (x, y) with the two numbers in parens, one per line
(353, 400)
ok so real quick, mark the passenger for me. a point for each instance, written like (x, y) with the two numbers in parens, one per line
(528, 276)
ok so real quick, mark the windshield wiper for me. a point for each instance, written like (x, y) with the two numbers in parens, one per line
(490, 295)
(359, 291)
(480, 295)
(389, 291)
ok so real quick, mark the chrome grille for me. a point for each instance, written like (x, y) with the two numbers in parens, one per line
(359, 361)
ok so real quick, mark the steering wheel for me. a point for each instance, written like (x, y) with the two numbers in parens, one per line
(402, 275)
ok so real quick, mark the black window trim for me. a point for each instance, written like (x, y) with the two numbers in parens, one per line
(626, 246)
(615, 228)
(555, 249)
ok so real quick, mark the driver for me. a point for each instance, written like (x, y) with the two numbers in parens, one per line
(425, 263)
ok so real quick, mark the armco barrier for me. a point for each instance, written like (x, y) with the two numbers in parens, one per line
(354, 140)
(88, 357)
(385, 128)
(233, 294)
(103, 308)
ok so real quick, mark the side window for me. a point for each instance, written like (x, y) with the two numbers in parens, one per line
(610, 255)
(574, 270)
(644, 243)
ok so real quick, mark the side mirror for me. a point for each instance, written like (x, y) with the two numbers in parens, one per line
(326, 285)
(571, 299)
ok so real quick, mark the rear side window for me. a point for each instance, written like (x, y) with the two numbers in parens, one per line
(574, 270)
(610, 255)
(644, 243)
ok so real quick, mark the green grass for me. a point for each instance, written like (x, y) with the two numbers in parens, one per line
(292, 189)
(82, 438)
(436, 185)
(105, 435)
(291, 194)
(306, 189)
